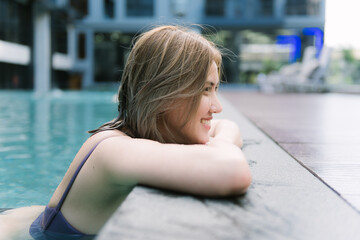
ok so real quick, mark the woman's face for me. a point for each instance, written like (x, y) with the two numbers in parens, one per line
(196, 129)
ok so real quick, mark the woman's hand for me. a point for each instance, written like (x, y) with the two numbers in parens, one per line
(226, 130)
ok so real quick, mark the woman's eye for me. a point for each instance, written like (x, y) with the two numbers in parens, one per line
(207, 89)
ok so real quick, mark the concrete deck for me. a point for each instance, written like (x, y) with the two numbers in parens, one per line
(321, 131)
(285, 201)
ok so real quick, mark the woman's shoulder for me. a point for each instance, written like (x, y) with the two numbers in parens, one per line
(108, 133)
(99, 143)
(103, 136)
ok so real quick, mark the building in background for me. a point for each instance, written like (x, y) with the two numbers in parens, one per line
(76, 44)
(15, 45)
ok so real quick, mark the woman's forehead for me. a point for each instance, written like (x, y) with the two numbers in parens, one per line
(213, 76)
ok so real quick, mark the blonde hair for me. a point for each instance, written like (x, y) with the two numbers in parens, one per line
(166, 66)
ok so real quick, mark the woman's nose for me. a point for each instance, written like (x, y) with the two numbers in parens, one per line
(216, 105)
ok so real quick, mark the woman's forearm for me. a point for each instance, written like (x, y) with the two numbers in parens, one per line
(226, 130)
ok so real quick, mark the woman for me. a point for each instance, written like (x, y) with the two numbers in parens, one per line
(164, 137)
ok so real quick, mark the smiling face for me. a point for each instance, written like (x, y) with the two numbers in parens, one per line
(196, 130)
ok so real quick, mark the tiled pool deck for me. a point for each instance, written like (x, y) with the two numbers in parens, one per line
(303, 154)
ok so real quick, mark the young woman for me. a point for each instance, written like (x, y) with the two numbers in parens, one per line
(164, 137)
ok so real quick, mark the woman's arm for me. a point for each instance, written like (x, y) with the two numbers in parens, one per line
(216, 169)
(227, 131)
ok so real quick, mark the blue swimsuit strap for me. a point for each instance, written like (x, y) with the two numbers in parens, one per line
(59, 205)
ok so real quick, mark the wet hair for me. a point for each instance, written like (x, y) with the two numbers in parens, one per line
(167, 66)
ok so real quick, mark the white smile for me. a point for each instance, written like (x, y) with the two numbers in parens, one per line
(206, 122)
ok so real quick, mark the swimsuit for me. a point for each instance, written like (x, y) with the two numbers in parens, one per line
(51, 224)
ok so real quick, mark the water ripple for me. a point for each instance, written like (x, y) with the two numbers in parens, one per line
(40, 135)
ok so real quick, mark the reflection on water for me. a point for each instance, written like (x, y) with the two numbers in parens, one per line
(39, 136)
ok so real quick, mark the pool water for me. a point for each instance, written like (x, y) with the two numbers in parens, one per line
(40, 135)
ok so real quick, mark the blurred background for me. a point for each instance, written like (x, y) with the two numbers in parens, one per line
(275, 45)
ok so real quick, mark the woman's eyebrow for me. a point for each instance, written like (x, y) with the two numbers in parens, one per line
(212, 83)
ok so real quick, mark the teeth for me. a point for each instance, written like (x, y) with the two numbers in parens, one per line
(207, 122)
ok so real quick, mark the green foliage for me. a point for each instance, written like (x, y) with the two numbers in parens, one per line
(270, 65)
(345, 70)
(219, 38)
(348, 55)
(255, 37)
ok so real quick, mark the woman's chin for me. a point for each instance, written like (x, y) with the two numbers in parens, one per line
(204, 140)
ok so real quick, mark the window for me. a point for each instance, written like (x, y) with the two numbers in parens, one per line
(15, 76)
(109, 8)
(110, 54)
(266, 8)
(140, 8)
(59, 33)
(303, 7)
(215, 8)
(81, 46)
(60, 79)
(15, 22)
(81, 7)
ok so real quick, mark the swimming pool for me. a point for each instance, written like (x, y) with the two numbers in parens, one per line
(39, 136)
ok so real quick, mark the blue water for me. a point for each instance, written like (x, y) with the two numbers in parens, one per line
(39, 136)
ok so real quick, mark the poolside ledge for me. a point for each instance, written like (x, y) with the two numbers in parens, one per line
(285, 201)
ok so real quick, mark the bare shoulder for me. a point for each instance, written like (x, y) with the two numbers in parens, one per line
(105, 135)
(101, 138)
(120, 152)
